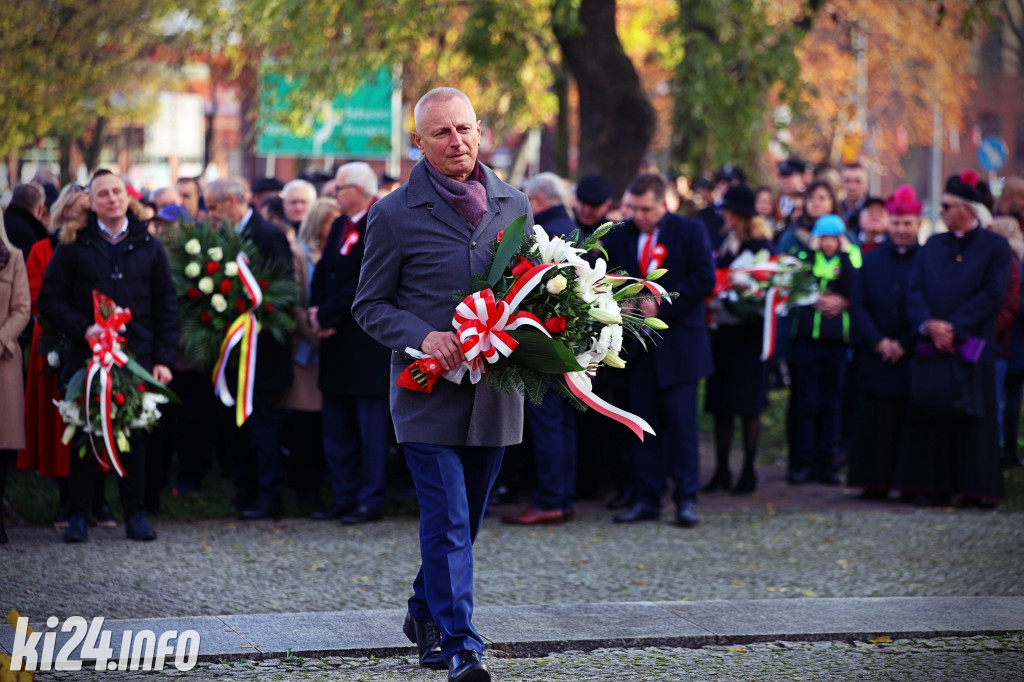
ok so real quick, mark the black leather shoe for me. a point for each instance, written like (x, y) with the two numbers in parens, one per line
(137, 528)
(621, 501)
(77, 530)
(427, 640)
(827, 478)
(638, 512)
(796, 476)
(360, 515)
(335, 512)
(686, 514)
(262, 511)
(466, 666)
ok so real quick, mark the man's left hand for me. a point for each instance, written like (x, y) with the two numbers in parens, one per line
(162, 373)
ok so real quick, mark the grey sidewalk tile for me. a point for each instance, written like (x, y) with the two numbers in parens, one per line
(959, 615)
(350, 633)
(823, 619)
(542, 629)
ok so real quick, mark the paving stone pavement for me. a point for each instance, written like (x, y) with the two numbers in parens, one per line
(968, 659)
(839, 549)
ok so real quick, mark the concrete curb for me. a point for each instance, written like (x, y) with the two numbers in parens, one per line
(534, 631)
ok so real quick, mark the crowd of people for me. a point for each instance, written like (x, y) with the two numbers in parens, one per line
(892, 307)
(906, 364)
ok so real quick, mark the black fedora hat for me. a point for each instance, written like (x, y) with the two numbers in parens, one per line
(739, 199)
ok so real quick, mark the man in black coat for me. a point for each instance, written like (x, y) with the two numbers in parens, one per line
(957, 286)
(553, 422)
(663, 380)
(257, 446)
(354, 368)
(23, 218)
(114, 254)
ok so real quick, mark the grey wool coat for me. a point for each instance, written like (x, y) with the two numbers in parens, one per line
(418, 252)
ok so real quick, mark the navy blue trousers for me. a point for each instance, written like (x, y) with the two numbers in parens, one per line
(355, 432)
(553, 428)
(821, 367)
(452, 485)
(672, 453)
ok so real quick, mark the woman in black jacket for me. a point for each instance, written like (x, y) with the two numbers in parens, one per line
(738, 388)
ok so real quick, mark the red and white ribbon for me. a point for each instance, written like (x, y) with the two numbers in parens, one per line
(106, 352)
(579, 384)
(773, 301)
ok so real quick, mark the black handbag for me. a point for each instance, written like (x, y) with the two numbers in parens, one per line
(945, 383)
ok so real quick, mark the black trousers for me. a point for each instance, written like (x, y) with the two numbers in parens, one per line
(82, 477)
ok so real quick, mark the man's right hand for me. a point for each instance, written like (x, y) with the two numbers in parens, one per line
(941, 333)
(445, 347)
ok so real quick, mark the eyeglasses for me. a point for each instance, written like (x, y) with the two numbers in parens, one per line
(946, 207)
(77, 188)
(338, 189)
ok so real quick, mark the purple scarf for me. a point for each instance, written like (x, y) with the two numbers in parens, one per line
(469, 198)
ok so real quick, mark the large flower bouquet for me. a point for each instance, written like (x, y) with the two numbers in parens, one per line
(226, 296)
(760, 285)
(544, 312)
(112, 394)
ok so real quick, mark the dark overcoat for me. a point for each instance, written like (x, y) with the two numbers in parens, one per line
(352, 363)
(418, 252)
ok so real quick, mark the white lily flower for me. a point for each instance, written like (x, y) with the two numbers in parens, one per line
(590, 280)
(554, 249)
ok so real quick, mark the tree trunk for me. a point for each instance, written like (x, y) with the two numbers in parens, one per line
(91, 150)
(561, 151)
(64, 144)
(617, 122)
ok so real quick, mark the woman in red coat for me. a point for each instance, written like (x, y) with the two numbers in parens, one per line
(43, 449)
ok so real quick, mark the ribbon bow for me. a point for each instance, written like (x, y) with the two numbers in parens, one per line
(106, 352)
(243, 333)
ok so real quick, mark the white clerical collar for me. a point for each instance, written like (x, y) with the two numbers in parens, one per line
(113, 235)
(245, 221)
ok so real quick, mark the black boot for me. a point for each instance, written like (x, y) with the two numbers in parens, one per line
(747, 482)
(720, 481)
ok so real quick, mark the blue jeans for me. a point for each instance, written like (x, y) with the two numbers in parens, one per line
(553, 427)
(452, 485)
(356, 433)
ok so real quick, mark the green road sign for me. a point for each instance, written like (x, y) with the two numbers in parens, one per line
(355, 125)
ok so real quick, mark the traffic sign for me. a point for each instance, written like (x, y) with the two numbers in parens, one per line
(355, 125)
(992, 153)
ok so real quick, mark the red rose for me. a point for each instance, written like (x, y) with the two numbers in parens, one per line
(241, 305)
(269, 308)
(212, 267)
(521, 267)
(119, 399)
(264, 284)
(206, 317)
(225, 287)
(500, 235)
(141, 388)
(556, 324)
(194, 294)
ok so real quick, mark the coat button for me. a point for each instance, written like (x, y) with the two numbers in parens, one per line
(473, 245)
